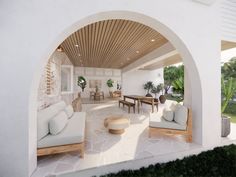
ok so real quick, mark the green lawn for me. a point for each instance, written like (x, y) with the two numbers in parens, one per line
(218, 162)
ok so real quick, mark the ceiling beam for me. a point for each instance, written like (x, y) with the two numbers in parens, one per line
(165, 51)
(163, 63)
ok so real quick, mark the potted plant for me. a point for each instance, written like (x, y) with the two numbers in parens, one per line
(148, 86)
(228, 88)
(110, 83)
(156, 90)
(81, 82)
(162, 97)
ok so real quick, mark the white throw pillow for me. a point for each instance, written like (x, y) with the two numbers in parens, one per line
(69, 111)
(59, 106)
(58, 123)
(174, 105)
(168, 114)
(181, 115)
(43, 119)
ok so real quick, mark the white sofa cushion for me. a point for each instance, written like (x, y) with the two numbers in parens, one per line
(69, 111)
(181, 115)
(44, 117)
(168, 114)
(58, 123)
(73, 133)
(59, 106)
(174, 105)
(166, 124)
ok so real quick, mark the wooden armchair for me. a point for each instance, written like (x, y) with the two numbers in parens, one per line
(187, 132)
(115, 94)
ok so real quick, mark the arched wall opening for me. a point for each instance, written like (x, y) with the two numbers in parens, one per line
(195, 102)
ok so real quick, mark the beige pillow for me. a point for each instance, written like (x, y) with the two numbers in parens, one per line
(168, 114)
(181, 115)
(58, 123)
(69, 111)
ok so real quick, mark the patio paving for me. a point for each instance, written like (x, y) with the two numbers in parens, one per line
(103, 148)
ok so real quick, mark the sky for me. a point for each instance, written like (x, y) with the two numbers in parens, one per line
(228, 54)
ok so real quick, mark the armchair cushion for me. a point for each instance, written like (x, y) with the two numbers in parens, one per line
(44, 117)
(71, 134)
(58, 123)
(168, 114)
(69, 111)
(166, 124)
(181, 114)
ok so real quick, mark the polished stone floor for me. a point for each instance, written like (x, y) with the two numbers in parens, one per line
(103, 148)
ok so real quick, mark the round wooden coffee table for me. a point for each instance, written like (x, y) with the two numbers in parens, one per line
(116, 124)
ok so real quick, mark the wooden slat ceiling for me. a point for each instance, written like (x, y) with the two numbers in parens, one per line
(111, 43)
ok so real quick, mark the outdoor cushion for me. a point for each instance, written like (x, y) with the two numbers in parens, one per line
(58, 123)
(44, 117)
(168, 114)
(174, 105)
(59, 106)
(181, 115)
(73, 133)
(166, 124)
(69, 111)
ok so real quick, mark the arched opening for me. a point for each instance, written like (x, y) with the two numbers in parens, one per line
(193, 101)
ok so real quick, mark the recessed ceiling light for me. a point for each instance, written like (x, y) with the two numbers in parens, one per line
(79, 54)
(76, 45)
(137, 51)
(59, 49)
(152, 40)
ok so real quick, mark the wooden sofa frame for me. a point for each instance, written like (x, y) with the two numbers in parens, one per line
(62, 149)
(172, 132)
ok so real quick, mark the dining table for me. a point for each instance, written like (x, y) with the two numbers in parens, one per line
(136, 98)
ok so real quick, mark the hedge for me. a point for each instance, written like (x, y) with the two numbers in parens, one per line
(220, 161)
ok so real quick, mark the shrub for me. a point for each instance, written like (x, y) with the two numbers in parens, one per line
(220, 161)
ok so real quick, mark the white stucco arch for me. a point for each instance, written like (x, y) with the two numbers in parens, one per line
(141, 18)
(59, 24)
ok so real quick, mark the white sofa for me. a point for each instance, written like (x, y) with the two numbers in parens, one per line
(175, 120)
(60, 129)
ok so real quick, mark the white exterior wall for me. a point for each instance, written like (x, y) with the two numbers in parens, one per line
(133, 81)
(228, 19)
(31, 30)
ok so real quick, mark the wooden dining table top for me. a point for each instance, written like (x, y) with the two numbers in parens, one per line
(136, 97)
